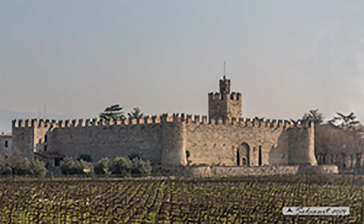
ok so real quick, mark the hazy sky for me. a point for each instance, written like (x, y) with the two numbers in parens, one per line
(78, 57)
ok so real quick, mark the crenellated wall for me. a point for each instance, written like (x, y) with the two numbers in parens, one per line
(23, 137)
(225, 105)
(95, 137)
(165, 139)
(248, 142)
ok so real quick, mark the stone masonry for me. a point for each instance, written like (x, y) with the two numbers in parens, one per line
(223, 138)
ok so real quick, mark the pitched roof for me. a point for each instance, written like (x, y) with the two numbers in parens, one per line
(6, 135)
(49, 155)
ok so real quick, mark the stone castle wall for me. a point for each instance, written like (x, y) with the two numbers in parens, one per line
(302, 141)
(174, 143)
(108, 141)
(166, 139)
(23, 138)
(93, 137)
(258, 143)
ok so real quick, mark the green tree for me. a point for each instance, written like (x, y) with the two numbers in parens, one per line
(70, 166)
(38, 168)
(135, 155)
(141, 167)
(85, 157)
(103, 166)
(16, 163)
(112, 113)
(136, 113)
(345, 122)
(121, 165)
(313, 115)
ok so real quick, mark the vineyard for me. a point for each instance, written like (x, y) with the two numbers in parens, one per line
(171, 200)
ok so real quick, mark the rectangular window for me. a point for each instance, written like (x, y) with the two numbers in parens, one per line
(45, 148)
(6, 144)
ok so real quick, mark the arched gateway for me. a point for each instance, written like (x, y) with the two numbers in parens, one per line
(243, 155)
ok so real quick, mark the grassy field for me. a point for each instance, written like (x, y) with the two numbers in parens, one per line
(171, 200)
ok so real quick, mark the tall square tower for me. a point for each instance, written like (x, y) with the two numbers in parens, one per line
(224, 104)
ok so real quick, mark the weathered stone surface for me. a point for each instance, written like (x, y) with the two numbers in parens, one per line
(166, 142)
(174, 143)
(5, 145)
(225, 139)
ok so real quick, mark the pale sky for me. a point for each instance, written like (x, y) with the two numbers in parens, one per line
(78, 57)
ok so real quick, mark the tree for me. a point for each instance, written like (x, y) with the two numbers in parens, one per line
(112, 113)
(121, 165)
(351, 138)
(135, 155)
(345, 122)
(71, 166)
(136, 113)
(38, 168)
(314, 116)
(103, 166)
(141, 167)
(16, 163)
(85, 157)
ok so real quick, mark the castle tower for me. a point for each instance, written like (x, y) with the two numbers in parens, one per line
(225, 104)
(224, 85)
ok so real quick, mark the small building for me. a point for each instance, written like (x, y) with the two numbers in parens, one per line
(52, 160)
(6, 145)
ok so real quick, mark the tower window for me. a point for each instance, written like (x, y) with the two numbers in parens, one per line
(45, 138)
(45, 148)
(6, 144)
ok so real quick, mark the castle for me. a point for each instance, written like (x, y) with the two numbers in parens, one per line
(222, 138)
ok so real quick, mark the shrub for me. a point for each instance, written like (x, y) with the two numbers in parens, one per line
(37, 168)
(18, 165)
(5, 170)
(85, 157)
(21, 166)
(103, 166)
(121, 165)
(141, 167)
(84, 167)
(135, 155)
(126, 167)
(68, 166)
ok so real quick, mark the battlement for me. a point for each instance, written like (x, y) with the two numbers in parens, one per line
(186, 118)
(247, 122)
(218, 96)
(41, 123)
